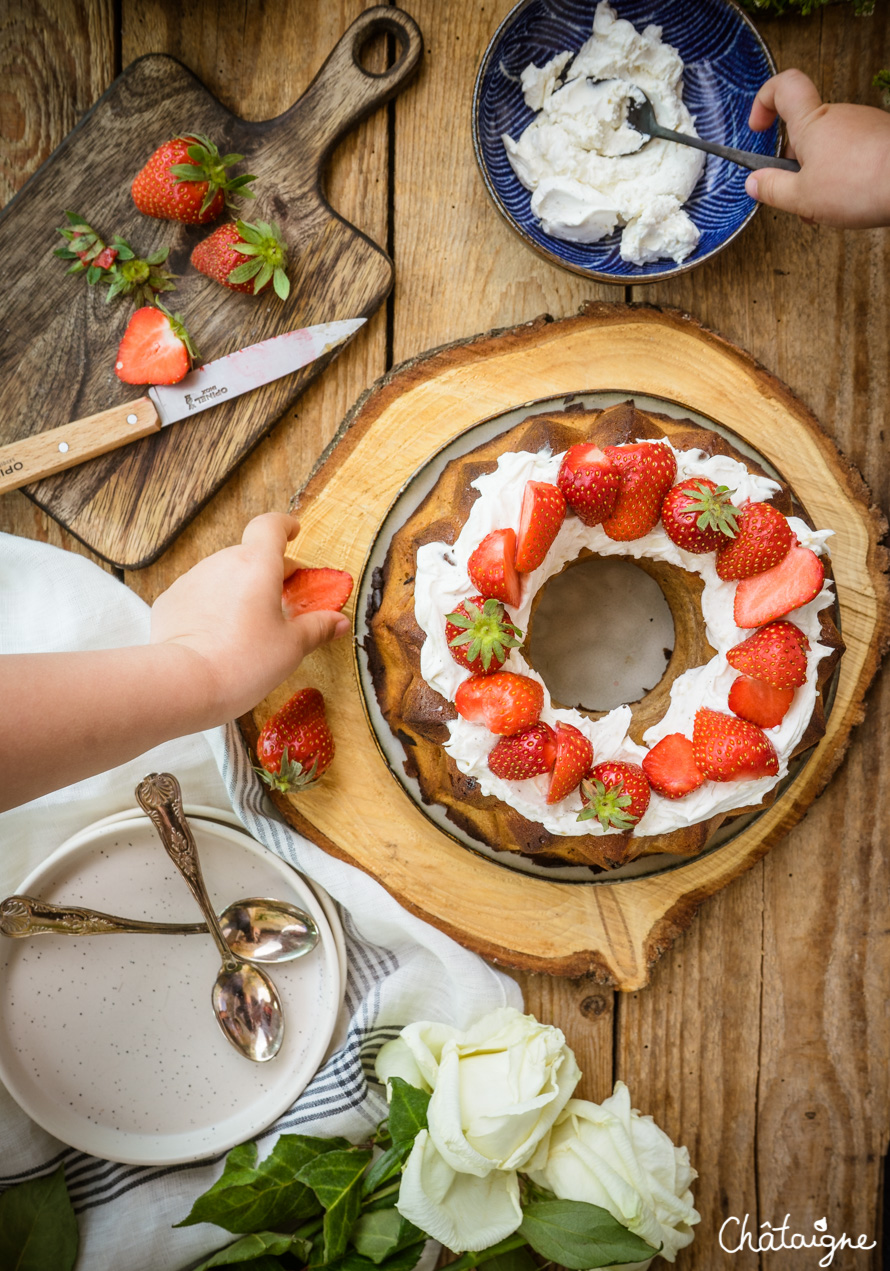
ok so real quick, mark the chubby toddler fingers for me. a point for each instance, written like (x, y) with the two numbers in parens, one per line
(318, 627)
(270, 532)
(790, 94)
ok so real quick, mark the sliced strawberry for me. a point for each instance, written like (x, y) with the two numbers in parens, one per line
(526, 754)
(479, 633)
(761, 704)
(731, 749)
(106, 258)
(542, 515)
(505, 703)
(574, 755)
(295, 745)
(588, 483)
(308, 589)
(492, 570)
(648, 471)
(616, 793)
(156, 348)
(698, 515)
(670, 767)
(795, 581)
(763, 537)
(775, 654)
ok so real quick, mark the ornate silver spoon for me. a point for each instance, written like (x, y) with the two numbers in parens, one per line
(244, 998)
(256, 929)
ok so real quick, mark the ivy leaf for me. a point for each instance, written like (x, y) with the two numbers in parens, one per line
(403, 1260)
(500, 1252)
(256, 1252)
(387, 1165)
(407, 1112)
(336, 1179)
(580, 1236)
(381, 1232)
(38, 1229)
(248, 1197)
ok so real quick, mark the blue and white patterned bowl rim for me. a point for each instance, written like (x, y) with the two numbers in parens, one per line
(726, 60)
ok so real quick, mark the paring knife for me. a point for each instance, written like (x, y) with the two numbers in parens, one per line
(204, 387)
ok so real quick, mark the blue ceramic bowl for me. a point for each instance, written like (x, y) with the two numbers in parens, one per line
(725, 60)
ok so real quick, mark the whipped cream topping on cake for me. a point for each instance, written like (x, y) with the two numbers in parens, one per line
(442, 582)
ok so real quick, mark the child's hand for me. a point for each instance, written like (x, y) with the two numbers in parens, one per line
(843, 152)
(226, 611)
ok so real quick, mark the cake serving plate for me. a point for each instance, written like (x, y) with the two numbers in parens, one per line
(386, 450)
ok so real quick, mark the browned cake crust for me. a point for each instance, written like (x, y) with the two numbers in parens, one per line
(418, 715)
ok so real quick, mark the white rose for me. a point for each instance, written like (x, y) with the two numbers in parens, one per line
(497, 1089)
(609, 1155)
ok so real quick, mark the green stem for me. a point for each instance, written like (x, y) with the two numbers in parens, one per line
(507, 1245)
(382, 1193)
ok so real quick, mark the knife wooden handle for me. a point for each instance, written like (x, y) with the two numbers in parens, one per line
(44, 453)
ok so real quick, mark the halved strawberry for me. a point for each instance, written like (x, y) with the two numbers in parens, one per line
(156, 348)
(731, 749)
(763, 537)
(526, 754)
(647, 472)
(761, 704)
(309, 589)
(795, 581)
(616, 793)
(588, 483)
(670, 767)
(542, 515)
(505, 703)
(492, 570)
(775, 654)
(698, 515)
(479, 633)
(574, 755)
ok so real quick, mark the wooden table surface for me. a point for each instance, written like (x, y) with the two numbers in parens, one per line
(762, 1042)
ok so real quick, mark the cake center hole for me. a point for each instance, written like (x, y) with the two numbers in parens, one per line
(602, 634)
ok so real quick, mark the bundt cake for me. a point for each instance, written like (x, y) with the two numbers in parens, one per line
(742, 694)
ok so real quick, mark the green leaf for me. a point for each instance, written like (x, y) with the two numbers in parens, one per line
(243, 273)
(38, 1229)
(263, 277)
(503, 1249)
(407, 1112)
(379, 1233)
(260, 1251)
(336, 1179)
(403, 1260)
(580, 1236)
(248, 1196)
(386, 1166)
(281, 284)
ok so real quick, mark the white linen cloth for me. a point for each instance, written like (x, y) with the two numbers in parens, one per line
(399, 968)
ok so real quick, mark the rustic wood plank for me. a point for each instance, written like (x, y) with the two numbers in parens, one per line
(810, 303)
(56, 59)
(291, 51)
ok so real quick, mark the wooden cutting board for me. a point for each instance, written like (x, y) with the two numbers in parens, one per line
(59, 338)
(612, 929)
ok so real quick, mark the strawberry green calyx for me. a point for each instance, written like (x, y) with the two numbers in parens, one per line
(291, 775)
(179, 329)
(207, 164)
(83, 247)
(142, 279)
(264, 247)
(607, 805)
(714, 509)
(487, 632)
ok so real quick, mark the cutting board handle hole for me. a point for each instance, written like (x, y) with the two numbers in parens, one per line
(377, 35)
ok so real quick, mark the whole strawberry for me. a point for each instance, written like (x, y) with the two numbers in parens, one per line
(616, 793)
(295, 746)
(186, 180)
(479, 633)
(647, 471)
(526, 754)
(698, 516)
(730, 749)
(588, 482)
(245, 257)
(763, 538)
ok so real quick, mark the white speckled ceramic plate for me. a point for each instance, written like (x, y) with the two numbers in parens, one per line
(110, 1042)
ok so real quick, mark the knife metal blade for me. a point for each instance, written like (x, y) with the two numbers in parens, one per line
(42, 454)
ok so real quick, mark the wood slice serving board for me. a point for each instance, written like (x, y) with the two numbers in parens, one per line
(614, 930)
(59, 337)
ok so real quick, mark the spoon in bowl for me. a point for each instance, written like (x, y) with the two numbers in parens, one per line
(244, 999)
(256, 929)
(641, 116)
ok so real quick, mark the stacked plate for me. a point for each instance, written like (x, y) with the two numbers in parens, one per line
(110, 1042)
